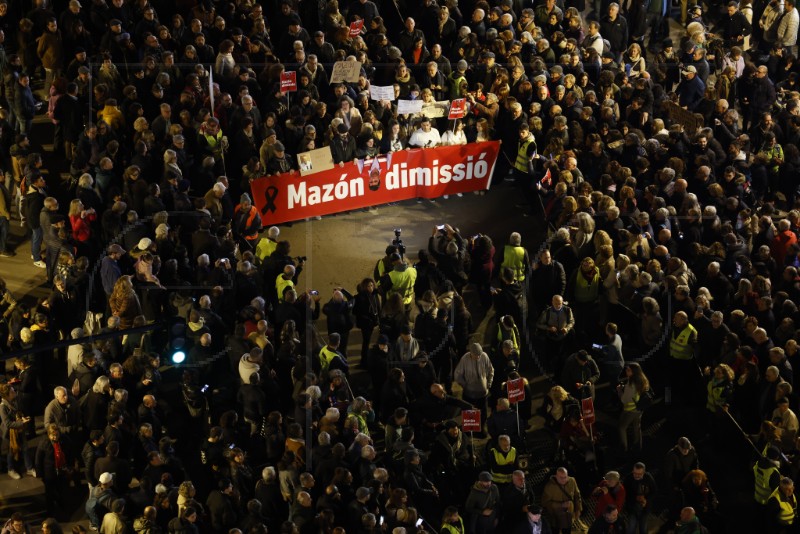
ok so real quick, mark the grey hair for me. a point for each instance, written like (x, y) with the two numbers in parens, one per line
(100, 384)
(269, 474)
(86, 181)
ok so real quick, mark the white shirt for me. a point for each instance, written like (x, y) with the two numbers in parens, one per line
(449, 138)
(421, 138)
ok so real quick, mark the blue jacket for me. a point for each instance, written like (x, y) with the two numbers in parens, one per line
(691, 92)
(24, 104)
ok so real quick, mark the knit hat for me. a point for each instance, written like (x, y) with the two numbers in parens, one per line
(245, 198)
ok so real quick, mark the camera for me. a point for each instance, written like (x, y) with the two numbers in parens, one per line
(204, 389)
(301, 259)
(314, 292)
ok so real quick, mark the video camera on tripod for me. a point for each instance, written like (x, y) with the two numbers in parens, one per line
(398, 242)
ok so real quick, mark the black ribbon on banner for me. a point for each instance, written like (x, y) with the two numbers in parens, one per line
(270, 194)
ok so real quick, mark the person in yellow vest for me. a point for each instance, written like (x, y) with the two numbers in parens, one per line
(526, 152)
(766, 476)
(284, 281)
(451, 522)
(681, 361)
(211, 141)
(629, 391)
(720, 391)
(782, 508)
(583, 294)
(400, 280)
(384, 264)
(267, 246)
(502, 460)
(330, 358)
(515, 257)
(507, 331)
(523, 168)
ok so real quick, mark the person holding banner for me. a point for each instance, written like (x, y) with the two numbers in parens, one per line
(455, 136)
(425, 136)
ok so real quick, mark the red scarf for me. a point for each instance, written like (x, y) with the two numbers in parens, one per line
(60, 458)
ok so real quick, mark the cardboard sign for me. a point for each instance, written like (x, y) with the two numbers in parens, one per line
(407, 107)
(458, 108)
(315, 161)
(345, 71)
(403, 175)
(471, 421)
(355, 27)
(288, 81)
(516, 390)
(378, 92)
(587, 407)
(434, 110)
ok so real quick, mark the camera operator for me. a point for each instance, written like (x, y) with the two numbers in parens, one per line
(447, 247)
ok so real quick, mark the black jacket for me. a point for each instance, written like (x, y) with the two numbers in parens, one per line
(221, 511)
(46, 459)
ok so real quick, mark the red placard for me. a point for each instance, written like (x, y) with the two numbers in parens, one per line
(471, 420)
(587, 407)
(516, 390)
(417, 173)
(355, 27)
(288, 81)
(458, 108)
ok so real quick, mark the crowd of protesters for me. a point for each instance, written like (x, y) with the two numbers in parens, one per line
(665, 170)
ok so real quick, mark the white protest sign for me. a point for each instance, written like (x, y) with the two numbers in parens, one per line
(405, 107)
(377, 92)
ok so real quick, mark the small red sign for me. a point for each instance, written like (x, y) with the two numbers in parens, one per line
(516, 390)
(355, 27)
(587, 406)
(471, 420)
(288, 81)
(458, 108)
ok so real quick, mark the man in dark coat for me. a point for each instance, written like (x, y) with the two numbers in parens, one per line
(614, 27)
(220, 507)
(55, 465)
(69, 114)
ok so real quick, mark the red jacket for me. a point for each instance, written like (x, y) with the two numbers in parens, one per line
(780, 246)
(81, 229)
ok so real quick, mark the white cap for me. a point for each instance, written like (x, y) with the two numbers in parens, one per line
(144, 243)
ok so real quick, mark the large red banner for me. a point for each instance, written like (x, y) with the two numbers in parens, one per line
(419, 173)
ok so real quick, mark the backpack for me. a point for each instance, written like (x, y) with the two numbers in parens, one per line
(646, 400)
